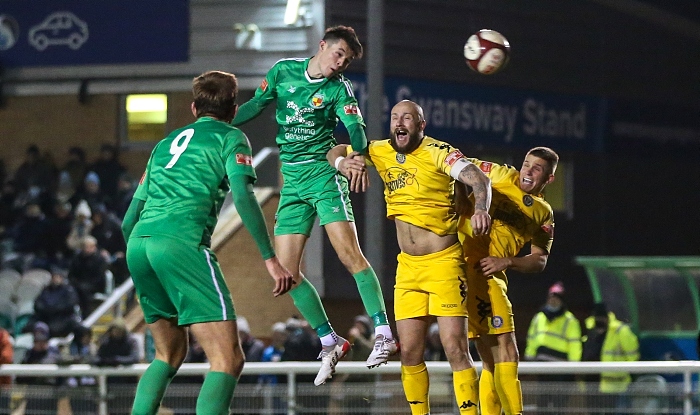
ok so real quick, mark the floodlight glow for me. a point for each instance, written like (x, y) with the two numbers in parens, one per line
(147, 103)
(292, 13)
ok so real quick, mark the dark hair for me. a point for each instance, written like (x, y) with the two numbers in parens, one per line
(33, 149)
(215, 94)
(346, 33)
(548, 155)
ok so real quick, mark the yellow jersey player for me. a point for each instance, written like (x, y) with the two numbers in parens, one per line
(520, 215)
(419, 173)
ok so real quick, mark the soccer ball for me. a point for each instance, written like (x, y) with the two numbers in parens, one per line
(487, 51)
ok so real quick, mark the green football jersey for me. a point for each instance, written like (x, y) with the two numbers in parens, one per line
(308, 109)
(186, 180)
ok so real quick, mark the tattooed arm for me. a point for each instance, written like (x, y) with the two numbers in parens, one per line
(473, 177)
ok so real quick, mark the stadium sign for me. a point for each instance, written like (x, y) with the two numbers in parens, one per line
(469, 114)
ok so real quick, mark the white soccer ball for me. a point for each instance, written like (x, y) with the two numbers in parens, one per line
(487, 51)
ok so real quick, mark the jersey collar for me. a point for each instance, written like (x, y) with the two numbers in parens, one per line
(308, 78)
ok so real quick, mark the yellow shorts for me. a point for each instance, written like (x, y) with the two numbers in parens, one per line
(433, 284)
(490, 311)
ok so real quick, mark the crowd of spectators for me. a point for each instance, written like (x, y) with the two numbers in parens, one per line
(65, 219)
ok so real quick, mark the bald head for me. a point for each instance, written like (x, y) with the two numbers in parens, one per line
(408, 106)
(407, 126)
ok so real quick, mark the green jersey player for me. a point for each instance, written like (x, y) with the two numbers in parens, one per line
(312, 95)
(168, 228)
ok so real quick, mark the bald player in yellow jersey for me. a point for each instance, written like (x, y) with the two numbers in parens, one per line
(520, 215)
(419, 173)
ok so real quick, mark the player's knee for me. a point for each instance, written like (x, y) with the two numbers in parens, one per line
(231, 364)
(411, 356)
(353, 260)
(175, 356)
(456, 354)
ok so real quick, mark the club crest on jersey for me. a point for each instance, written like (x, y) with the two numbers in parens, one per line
(244, 159)
(486, 166)
(263, 85)
(317, 100)
(401, 158)
(396, 178)
(497, 322)
(528, 200)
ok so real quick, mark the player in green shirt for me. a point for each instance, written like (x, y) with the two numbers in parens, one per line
(168, 228)
(312, 95)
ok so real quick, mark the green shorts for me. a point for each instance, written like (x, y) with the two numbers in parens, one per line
(310, 189)
(177, 280)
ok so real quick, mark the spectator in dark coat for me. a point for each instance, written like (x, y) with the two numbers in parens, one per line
(108, 169)
(30, 231)
(87, 274)
(57, 306)
(33, 172)
(107, 229)
(302, 345)
(76, 167)
(118, 346)
(58, 227)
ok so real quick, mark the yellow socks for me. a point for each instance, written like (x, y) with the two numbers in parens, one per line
(415, 385)
(466, 385)
(508, 387)
(488, 396)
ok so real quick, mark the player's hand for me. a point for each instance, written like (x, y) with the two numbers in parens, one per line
(491, 265)
(353, 167)
(481, 222)
(283, 278)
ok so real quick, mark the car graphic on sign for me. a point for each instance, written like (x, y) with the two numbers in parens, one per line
(60, 28)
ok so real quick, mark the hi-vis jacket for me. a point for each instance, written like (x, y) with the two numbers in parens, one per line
(620, 345)
(556, 340)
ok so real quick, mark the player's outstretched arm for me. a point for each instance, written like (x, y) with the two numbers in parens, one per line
(472, 176)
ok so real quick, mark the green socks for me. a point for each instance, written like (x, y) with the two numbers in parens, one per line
(371, 293)
(151, 388)
(309, 304)
(214, 398)
(216, 394)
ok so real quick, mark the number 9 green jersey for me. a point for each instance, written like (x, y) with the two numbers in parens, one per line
(186, 180)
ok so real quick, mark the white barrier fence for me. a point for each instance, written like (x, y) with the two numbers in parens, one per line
(291, 370)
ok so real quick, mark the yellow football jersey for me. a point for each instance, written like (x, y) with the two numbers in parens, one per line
(517, 217)
(418, 188)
